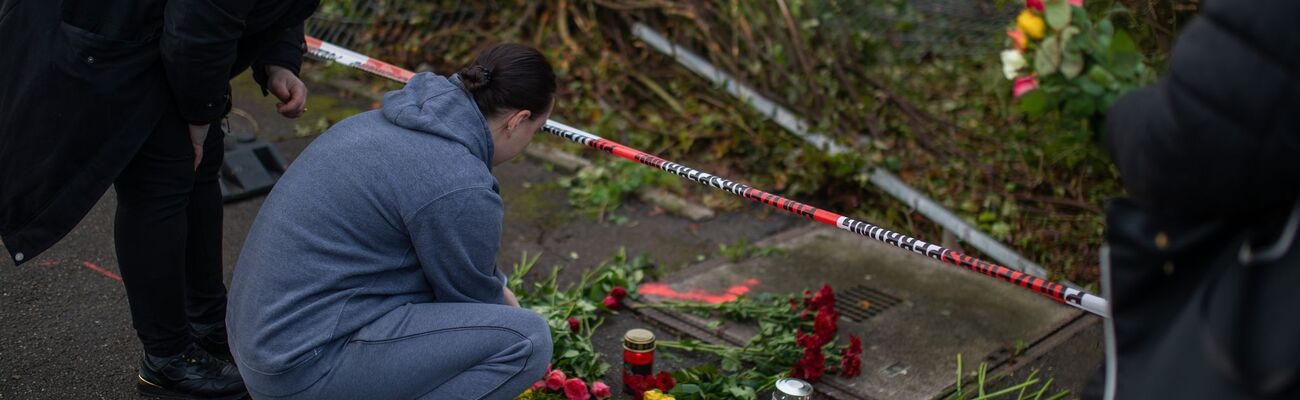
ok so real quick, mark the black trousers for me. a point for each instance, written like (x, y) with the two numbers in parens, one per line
(168, 237)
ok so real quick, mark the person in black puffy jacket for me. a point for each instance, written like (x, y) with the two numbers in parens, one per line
(1202, 260)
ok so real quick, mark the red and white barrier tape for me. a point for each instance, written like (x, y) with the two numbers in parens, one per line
(1056, 291)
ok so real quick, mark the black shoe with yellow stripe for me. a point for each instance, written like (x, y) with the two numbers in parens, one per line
(193, 374)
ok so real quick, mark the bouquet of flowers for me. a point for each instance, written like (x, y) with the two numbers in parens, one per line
(1061, 59)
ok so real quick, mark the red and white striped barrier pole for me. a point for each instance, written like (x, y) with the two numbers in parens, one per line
(1056, 291)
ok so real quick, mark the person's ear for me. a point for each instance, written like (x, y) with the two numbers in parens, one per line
(517, 118)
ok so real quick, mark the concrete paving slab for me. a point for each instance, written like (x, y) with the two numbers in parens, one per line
(937, 311)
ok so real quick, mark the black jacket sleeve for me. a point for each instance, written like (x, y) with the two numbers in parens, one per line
(1218, 136)
(199, 44)
(285, 50)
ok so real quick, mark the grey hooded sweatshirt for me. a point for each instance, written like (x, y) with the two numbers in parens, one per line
(386, 208)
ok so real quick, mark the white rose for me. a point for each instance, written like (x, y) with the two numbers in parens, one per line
(1012, 61)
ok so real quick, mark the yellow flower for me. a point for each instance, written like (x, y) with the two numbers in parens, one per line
(655, 394)
(1031, 24)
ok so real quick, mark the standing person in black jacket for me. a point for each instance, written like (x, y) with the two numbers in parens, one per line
(1203, 259)
(129, 93)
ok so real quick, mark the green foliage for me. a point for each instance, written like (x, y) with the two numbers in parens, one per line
(707, 382)
(944, 123)
(573, 351)
(600, 189)
(741, 249)
(1075, 42)
(745, 370)
(1032, 388)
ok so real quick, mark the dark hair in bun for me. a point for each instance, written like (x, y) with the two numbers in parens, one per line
(507, 77)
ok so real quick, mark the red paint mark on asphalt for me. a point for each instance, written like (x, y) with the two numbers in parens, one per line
(102, 271)
(663, 290)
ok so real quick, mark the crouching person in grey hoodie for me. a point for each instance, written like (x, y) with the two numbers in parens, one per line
(370, 271)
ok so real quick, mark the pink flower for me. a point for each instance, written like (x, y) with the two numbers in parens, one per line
(610, 303)
(574, 324)
(576, 389)
(1024, 85)
(538, 386)
(618, 293)
(1018, 38)
(555, 380)
(601, 390)
(1076, 3)
(1036, 5)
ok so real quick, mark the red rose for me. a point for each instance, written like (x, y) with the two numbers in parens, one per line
(797, 371)
(538, 386)
(574, 324)
(601, 390)
(638, 383)
(1036, 5)
(576, 389)
(851, 358)
(806, 341)
(826, 324)
(814, 372)
(664, 381)
(850, 365)
(618, 293)
(555, 380)
(811, 366)
(610, 303)
(824, 297)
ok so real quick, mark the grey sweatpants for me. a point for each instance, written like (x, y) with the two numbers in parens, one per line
(438, 351)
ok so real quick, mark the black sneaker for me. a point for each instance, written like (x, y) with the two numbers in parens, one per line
(212, 338)
(193, 374)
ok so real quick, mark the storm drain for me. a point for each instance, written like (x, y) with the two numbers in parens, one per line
(860, 302)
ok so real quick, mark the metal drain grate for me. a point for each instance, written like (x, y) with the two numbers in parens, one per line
(860, 302)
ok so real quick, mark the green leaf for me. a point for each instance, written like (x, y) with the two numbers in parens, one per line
(1035, 103)
(1067, 38)
(1071, 64)
(688, 388)
(1101, 76)
(570, 354)
(1089, 86)
(1105, 30)
(1058, 13)
(730, 364)
(1124, 55)
(1048, 59)
(1080, 106)
(741, 392)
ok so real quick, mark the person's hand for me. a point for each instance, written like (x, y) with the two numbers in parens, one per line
(510, 298)
(198, 135)
(286, 86)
